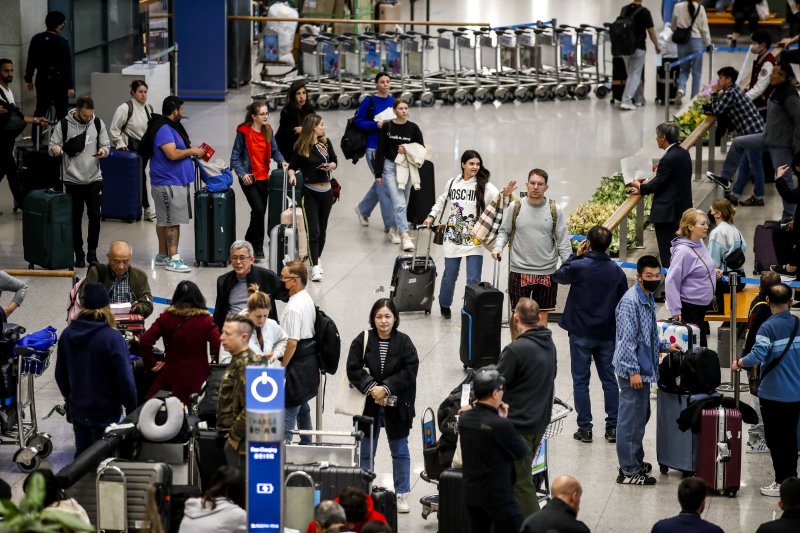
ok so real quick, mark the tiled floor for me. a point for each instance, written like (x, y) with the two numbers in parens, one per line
(576, 142)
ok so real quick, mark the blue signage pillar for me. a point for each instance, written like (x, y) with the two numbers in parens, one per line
(264, 403)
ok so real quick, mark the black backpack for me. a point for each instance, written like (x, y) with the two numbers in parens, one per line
(622, 33)
(329, 344)
(354, 141)
(448, 422)
(695, 371)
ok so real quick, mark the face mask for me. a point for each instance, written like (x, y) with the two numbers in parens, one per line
(651, 285)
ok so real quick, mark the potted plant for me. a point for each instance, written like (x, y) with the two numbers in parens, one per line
(30, 516)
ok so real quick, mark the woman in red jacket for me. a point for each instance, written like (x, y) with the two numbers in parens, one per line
(188, 330)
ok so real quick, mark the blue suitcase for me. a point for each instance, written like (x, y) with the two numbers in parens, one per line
(122, 186)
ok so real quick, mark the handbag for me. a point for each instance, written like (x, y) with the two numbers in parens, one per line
(713, 305)
(351, 401)
(682, 35)
(439, 229)
(735, 258)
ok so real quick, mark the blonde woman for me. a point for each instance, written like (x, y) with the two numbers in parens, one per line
(268, 337)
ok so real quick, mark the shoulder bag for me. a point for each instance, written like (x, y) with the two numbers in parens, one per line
(350, 401)
(439, 228)
(714, 304)
(772, 365)
(683, 35)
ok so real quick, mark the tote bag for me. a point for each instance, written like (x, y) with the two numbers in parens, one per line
(351, 401)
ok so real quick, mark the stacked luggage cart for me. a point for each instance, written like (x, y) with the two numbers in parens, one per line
(541, 61)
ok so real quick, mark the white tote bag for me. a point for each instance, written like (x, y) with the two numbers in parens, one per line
(351, 401)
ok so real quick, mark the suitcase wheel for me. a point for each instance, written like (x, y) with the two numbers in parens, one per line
(663, 468)
(30, 266)
(428, 312)
(731, 493)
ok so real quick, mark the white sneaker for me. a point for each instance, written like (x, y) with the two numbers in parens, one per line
(773, 489)
(176, 264)
(319, 264)
(408, 245)
(149, 213)
(757, 446)
(402, 503)
(394, 236)
(361, 218)
(627, 107)
(316, 273)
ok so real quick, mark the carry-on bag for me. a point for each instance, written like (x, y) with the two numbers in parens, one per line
(675, 449)
(37, 168)
(333, 479)
(385, 502)
(284, 243)
(681, 333)
(209, 452)
(276, 200)
(293, 215)
(205, 407)
(122, 186)
(214, 226)
(481, 319)
(772, 245)
(719, 448)
(661, 81)
(452, 505)
(420, 202)
(414, 279)
(47, 229)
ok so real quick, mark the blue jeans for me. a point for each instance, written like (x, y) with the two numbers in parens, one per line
(301, 416)
(451, 267)
(751, 163)
(377, 194)
(695, 66)
(634, 412)
(401, 458)
(781, 155)
(399, 197)
(634, 88)
(582, 350)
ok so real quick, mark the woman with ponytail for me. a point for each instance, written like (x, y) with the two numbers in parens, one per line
(268, 338)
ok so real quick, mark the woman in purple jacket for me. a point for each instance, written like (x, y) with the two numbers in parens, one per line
(692, 276)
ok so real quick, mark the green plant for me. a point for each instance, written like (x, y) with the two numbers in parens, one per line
(31, 516)
(692, 118)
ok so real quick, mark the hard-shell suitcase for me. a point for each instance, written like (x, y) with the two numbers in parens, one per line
(385, 502)
(47, 229)
(685, 335)
(675, 449)
(122, 186)
(772, 245)
(101, 494)
(481, 319)
(333, 479)
(293, 216)
(421, 201)
(452, 505)
(277, 195)
(719, 449)
(214, 226)
(661, 79)
(38, 170)
(413, 280)
(284, 245)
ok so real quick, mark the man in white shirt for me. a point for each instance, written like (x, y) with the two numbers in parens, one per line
(299, 358)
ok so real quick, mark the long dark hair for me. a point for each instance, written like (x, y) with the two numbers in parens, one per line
(228, 483)
(291, 101)
(188, 294)
(481, 178)
(692, 8)
(252, 109)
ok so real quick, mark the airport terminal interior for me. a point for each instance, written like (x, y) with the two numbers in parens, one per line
(576, 141)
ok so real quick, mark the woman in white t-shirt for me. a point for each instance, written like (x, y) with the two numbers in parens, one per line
(469, 193)
(268, 338)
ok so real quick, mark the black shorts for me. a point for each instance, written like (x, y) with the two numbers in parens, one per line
(538, 287)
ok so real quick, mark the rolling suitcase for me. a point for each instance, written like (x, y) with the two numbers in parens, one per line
(413, 280)
(214, 226)
(122, 186)
(385, 502)
(333, 479)
(481, 318)
(284, 243)
(277, 196)
(661, 79)
(452, 506)
(772, 245)
(421, 201)
(719, 448)
(293, 216)
(675, 449)
(38, 169)
(210, 455)
(47, 229)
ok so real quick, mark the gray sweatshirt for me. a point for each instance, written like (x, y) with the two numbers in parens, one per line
(83, 168)
(10, 283)
(533, 250)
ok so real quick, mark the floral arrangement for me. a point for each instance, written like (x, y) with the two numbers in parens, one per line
(693, 117)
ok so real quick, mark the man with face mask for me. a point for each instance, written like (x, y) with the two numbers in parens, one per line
(82, 139)
(636, 366)
(759, 88)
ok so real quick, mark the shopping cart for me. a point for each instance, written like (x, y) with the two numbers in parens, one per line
(540, 469)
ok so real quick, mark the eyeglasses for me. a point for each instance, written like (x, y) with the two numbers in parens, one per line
(239, 258)
(287, 278)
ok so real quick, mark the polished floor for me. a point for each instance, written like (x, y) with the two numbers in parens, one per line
(577, 142)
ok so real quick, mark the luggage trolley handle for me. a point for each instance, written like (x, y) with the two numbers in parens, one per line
(421, 227)
(370, 422)
(496, 274)
(117, 470)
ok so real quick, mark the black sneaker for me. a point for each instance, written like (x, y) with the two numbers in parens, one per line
(80, 262)
(646, 468)
(635, 479)
(725, 183)
(582, 435)
(782, 270)
(611, 435)
(445, 312)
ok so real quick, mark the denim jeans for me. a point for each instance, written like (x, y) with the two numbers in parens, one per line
(582, 351)
(634, 88)
(301, 416)
(401, 457)
(751, 163)
(634, 412)
(377, 194)
(399, 198)
(695, 66)
(781, 155)
(451, 267)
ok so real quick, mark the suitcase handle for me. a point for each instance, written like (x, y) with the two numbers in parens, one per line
(496, 274)
(420, 227)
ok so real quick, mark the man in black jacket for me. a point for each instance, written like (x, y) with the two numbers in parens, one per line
(789, 522)
(489, 448)
(671, 188)
(232, 287)
(561, 513)
(528, 367)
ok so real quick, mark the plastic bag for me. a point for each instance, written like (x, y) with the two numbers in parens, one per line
(41, 340)
(285, 30)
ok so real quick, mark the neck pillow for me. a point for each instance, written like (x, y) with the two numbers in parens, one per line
(154, 427)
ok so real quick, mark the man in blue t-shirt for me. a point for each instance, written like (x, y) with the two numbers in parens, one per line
(171, 173)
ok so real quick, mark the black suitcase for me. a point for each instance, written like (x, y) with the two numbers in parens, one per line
(38, 170)
(421, 201)
(275, 200)
(206, 409)
(385, 502)
(122, 186)
(214, 226)
(452, 506)
(481, 319)
(210, 455)
(333, 479)
(661, 80)
(47, 229)
(413, 280)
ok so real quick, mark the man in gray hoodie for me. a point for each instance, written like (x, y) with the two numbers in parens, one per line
(81, 138)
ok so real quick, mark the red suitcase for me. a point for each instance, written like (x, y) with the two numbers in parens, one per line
(719, 448)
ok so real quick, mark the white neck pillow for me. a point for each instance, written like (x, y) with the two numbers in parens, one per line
(155, 432)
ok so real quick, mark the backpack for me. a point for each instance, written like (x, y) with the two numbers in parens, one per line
(74, 308)
(329, 344)
(148, 109)
(354, 141)
(622, 33)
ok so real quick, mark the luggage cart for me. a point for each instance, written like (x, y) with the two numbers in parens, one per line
(594, 55)
(416, 50)
(21, 425)
(541, 459)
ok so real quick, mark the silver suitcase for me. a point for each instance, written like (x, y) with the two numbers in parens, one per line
(283, 245)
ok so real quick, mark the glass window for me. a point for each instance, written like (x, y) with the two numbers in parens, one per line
(121, 18)
(92, 60)
(88, 23)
